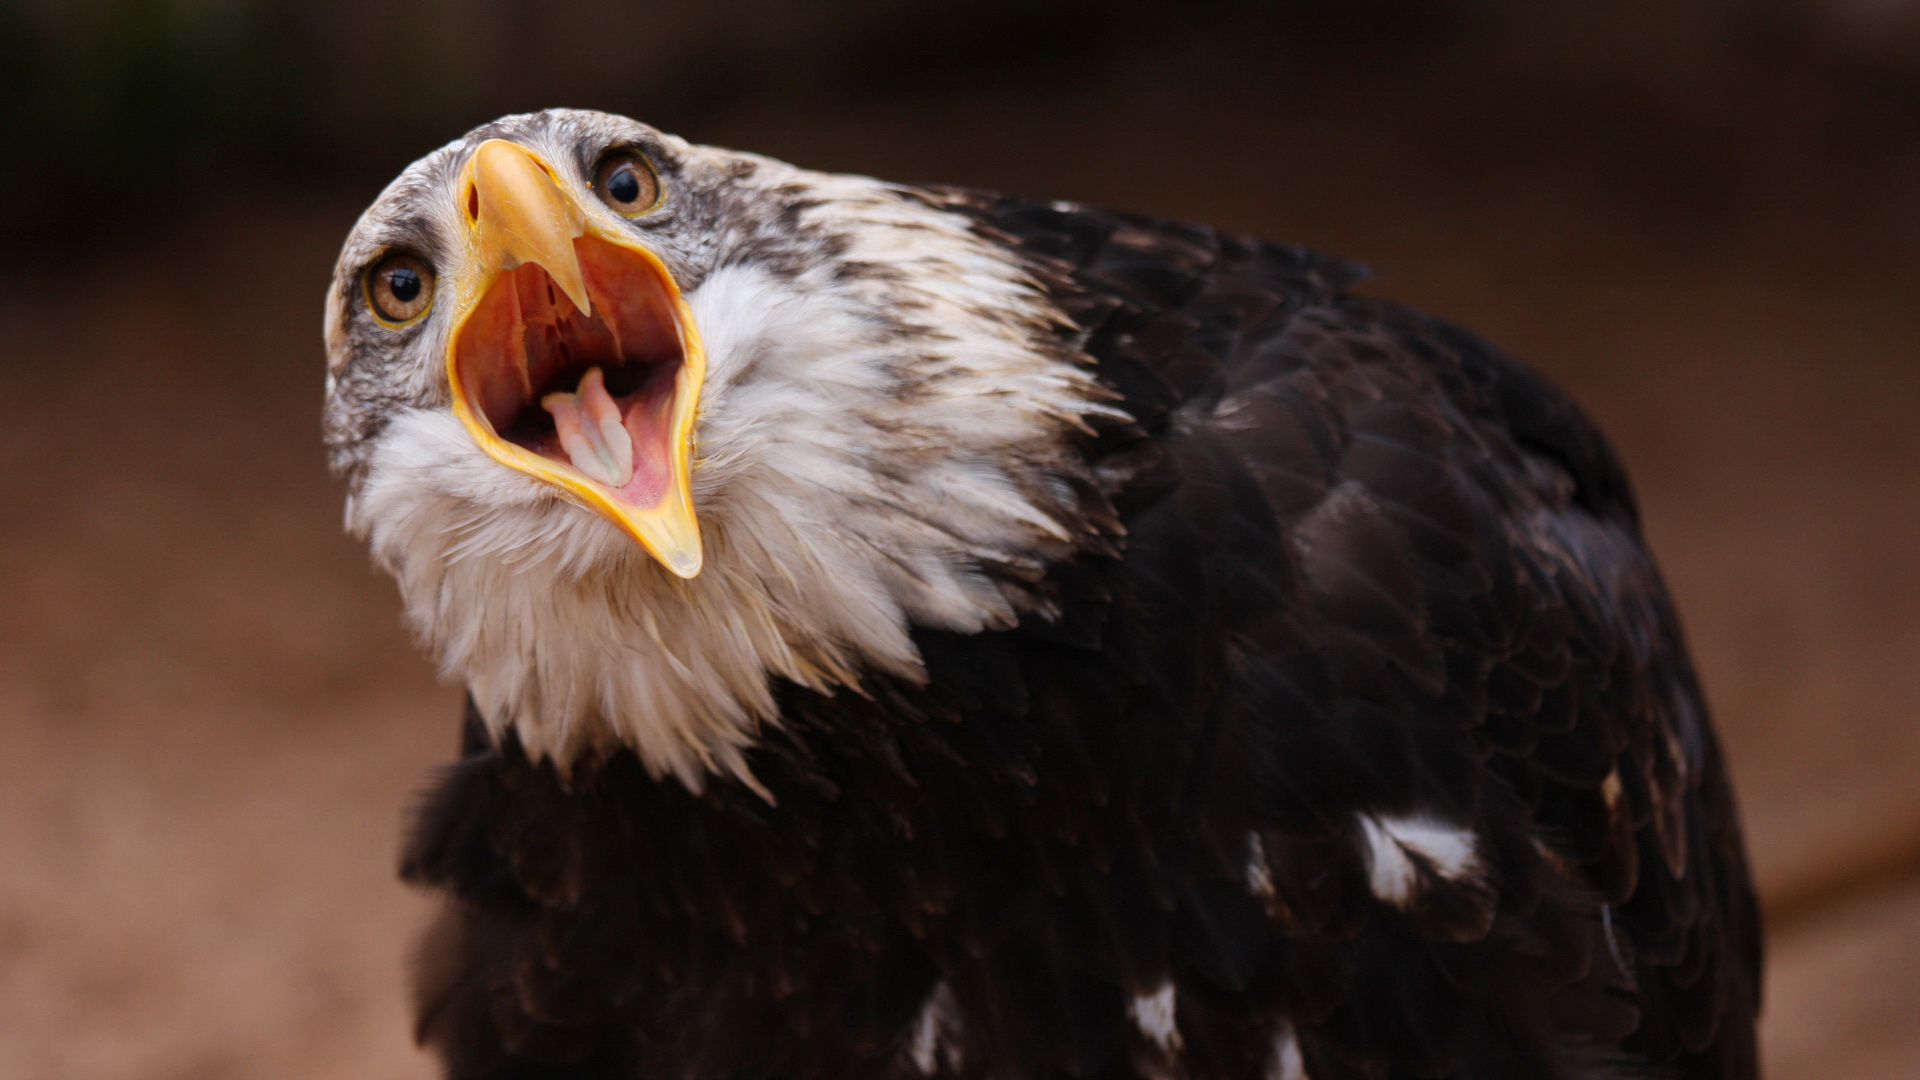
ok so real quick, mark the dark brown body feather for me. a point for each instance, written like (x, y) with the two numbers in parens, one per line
(1371, 567)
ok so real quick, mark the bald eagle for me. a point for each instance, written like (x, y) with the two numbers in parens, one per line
(913, 633)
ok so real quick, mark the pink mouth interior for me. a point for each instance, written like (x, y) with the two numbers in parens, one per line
(527, 339)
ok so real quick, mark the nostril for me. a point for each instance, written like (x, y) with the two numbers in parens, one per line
(473, 204)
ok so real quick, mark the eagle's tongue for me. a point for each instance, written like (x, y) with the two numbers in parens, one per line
(588, 421)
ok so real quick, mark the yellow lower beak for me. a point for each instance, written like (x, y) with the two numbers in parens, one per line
(574, 357)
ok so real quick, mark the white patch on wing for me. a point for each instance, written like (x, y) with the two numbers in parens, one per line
(935, 1038)
(1259, 874)
(1286, 1063)
(850, 479)
(1394, 842)
(1610, 790)
(1153, 1014)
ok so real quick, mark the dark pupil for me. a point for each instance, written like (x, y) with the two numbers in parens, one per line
(404, 284)
(623, 185)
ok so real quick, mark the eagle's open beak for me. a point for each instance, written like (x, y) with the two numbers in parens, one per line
(574, 357)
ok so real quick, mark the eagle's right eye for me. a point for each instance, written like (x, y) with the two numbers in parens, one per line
(399, 289)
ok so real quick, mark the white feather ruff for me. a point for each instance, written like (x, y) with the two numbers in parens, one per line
(849, 480)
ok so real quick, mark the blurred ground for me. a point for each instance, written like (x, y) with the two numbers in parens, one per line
(211, 724)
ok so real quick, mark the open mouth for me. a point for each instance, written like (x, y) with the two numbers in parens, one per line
(593, 392)
(576, 360)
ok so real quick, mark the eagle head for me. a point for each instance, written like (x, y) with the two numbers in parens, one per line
(643, 429)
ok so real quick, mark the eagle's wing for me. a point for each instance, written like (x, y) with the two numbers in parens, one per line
(1453, 653)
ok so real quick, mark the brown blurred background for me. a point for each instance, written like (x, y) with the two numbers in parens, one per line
(1703, 216)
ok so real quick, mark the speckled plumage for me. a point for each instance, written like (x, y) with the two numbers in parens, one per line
(1341, 729)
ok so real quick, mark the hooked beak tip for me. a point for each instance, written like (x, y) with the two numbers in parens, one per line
(519, 214)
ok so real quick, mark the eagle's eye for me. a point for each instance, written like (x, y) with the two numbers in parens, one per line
(399, 289)
(626, 182)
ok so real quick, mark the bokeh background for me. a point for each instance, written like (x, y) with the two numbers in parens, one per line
(1702, 216)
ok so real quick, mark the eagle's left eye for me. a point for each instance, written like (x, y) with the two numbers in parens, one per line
(626, 183)
(399, 289)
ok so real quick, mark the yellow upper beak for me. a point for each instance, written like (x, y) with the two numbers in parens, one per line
(519, 214)
(600, 292)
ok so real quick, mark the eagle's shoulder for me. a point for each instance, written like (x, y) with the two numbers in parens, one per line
(1426, 562)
